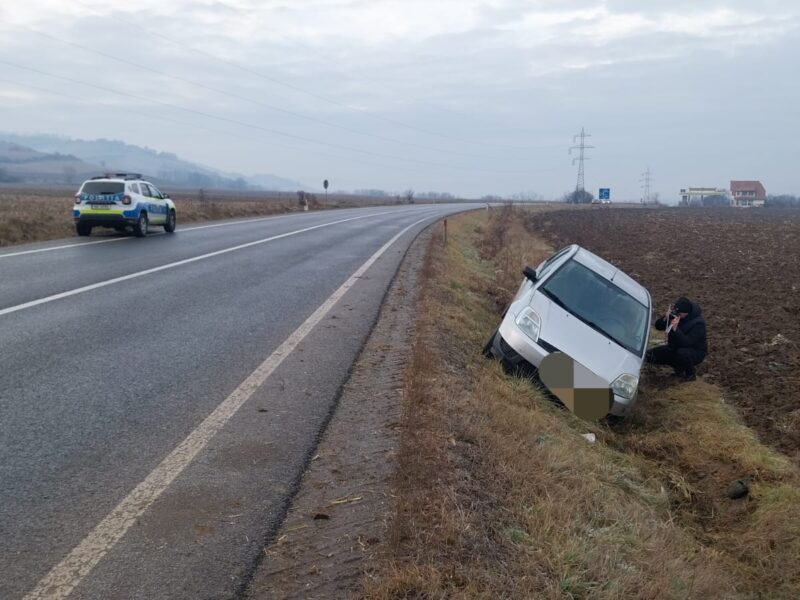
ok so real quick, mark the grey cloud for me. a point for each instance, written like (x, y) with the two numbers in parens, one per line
(699, 109)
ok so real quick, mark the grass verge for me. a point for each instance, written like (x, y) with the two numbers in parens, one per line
(33, 215)
(499, 496)
(31, 218)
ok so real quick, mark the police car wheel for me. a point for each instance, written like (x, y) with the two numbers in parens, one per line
(169, 226)
(83, 229)
(140, 229)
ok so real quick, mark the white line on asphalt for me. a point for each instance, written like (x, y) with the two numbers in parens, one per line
(62, 247)
(240, 222)
(67, 574)
(180, 230)
(107, 282)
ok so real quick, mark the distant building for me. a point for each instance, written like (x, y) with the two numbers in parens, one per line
(696, 196)
(748, 193)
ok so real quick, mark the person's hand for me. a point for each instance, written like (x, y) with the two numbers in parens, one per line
(675, 321)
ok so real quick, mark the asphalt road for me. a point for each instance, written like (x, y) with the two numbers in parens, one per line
(158, 402)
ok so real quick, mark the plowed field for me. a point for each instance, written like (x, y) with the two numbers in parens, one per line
(741, 266)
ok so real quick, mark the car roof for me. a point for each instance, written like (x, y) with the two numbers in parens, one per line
(118, 177)
(612, 273)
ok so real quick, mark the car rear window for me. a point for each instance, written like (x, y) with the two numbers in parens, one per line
(97, 188)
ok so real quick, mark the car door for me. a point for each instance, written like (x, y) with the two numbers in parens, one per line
(156, 204)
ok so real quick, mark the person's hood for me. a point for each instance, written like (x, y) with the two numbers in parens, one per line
(695, 312)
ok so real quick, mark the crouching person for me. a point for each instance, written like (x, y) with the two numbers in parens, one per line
(686, 345)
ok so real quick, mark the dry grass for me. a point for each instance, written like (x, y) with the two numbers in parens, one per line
(38, 215)
(32, 218)
(498, 495)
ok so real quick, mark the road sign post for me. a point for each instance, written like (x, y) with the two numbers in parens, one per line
(325, 185)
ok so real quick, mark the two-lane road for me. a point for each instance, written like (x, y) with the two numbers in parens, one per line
(160, 397)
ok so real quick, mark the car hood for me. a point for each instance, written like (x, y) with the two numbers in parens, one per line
(568, 334)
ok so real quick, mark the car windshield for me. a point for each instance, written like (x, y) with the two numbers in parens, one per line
(600, 304)
(103, 187)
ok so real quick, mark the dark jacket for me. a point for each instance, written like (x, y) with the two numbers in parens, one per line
(691, 331)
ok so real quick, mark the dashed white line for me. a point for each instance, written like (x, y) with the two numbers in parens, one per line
(66, 575)
(179, 230)
(172, 265)
(62, 247)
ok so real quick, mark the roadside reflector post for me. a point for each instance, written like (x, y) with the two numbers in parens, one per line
(445, 231)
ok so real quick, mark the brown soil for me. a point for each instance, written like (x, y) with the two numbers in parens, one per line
(338, 519)
(742, 267)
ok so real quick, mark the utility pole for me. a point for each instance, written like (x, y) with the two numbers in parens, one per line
(646, 180)
(581, 148)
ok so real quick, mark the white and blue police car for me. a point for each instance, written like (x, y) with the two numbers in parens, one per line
(120, 201)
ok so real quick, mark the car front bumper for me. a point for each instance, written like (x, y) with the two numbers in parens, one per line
(517, 351)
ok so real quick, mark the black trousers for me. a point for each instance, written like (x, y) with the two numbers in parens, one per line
(683, 360)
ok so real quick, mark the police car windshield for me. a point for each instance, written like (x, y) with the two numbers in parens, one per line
(103, 187)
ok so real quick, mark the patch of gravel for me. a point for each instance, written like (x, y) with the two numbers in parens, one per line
(334, 527)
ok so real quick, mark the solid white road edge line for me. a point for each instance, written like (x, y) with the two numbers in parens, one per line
(186, 261)
(67, 574)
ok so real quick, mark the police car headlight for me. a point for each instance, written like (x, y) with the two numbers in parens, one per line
(529, 323)
(625, 385)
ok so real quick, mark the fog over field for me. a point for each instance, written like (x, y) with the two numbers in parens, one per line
(471, 97)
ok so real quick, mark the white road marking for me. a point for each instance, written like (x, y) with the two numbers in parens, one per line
(178, 263)
(180, 230)
(62, 247)
(240, 222)
(66, 575)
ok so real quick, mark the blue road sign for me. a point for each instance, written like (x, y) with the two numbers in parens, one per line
(605, 194)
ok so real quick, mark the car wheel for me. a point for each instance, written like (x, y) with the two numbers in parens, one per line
(169, 226)
(140, 229)
(83, 229)
(487, 347)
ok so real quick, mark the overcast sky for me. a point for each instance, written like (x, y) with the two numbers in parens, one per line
(471, 97)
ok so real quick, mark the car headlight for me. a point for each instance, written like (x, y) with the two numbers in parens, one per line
(625, 385)
(529, 323)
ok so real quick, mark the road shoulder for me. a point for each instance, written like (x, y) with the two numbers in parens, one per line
(340, 513)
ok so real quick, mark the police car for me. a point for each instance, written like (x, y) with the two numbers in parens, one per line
(120, 201)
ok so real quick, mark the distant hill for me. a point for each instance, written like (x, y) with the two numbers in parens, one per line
(70, 160)
(20, 163)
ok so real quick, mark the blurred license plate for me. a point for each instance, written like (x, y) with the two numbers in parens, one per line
(102, 206)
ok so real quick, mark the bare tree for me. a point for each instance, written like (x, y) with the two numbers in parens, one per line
(409, 196)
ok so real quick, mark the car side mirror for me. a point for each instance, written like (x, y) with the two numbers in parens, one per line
(165, 196)
(530, 273)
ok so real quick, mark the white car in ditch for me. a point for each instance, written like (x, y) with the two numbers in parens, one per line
(581, 305)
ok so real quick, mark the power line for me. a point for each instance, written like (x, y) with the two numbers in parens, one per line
(83, 100)
(252, 125)
(313, 51)
(582, 147)
(276, 81)
(243, 98)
